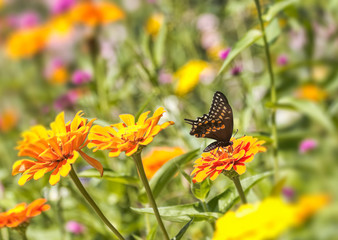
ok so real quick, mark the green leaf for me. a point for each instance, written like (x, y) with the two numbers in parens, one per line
(182, 231)
(224, 201)
(272, 31)
(201, 190)
(160, 45)
(250, 38)
(110, 175)
(276, 8)
(312, 110)
(182, 213)
(165, 173)
(152, 233)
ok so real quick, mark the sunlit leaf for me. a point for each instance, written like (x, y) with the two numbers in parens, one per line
(276, 8)
(310, 109)
(182, 213)
(250, 38)
(272, 31)
(110, 175)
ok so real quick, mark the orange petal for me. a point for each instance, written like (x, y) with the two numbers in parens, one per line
(132, 150)
(96, 164)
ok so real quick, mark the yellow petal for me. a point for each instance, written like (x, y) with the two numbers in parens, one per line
(142, 118)
(240, 169)
(127, 119)
(24, 178)
(64, 169)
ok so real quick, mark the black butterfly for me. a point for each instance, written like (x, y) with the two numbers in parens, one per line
(217, 124)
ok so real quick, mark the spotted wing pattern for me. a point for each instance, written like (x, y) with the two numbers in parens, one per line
(217, 124)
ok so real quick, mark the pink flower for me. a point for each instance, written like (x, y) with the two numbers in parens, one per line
(224, 53)
(282, 59)
(81, 77)
(288, 193)
(165, 77)
(24, 20)
(236, 70)
(66, 101)
(75, 227)
(60, 6)
(307, 145)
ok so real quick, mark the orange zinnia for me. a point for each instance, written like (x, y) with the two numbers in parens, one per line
(22, 213)
(53, 150)
(92, 14)
(159, 156)
(26, 42)
(213, 163)
(128, 136)
(311, 92)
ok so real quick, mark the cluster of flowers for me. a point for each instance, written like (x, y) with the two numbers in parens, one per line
(86, 13)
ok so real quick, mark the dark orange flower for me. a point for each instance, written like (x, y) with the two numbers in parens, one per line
(308, 205)
(53, 150)
(128, 136)
(158, 156)
(92, 14)
(8, 120)
(213, 163)
(22, 213)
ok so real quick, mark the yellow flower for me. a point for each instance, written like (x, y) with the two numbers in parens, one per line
(308, 205)
(96, 13)
(59, 27)
(26, 42)
(311, 92)
(213, 163)
(188, 76)
(128, 136)
(266, 220)
(22, 213)
(154, 24)
(53, 150)
(155, 159)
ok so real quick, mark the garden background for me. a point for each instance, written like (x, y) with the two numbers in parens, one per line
(108, 58)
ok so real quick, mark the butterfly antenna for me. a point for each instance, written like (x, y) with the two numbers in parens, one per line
(189, 121)
(235, 133)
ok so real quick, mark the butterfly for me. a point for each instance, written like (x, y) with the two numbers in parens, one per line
(217, 124)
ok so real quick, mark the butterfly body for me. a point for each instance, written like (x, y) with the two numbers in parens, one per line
(217, 124)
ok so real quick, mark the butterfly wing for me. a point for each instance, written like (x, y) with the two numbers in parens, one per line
(217, 124)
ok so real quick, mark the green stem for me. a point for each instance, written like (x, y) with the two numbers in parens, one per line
(139, 165)
(273, 94)
(239, 188)
(92, 203)
(59, 212)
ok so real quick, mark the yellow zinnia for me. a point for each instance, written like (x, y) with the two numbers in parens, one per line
(127, 136)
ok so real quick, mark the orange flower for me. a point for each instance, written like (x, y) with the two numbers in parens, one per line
(22, 213)
(155, 159)
(308, 205)
(92, 14)
(8, 120)
(213, 163)
(128, 136)
(53, 150)
(311, 92)
(26, 42)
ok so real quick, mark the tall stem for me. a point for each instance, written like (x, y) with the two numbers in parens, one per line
(92, 203)
(239, 189)
(273, 95)
(139, 165)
